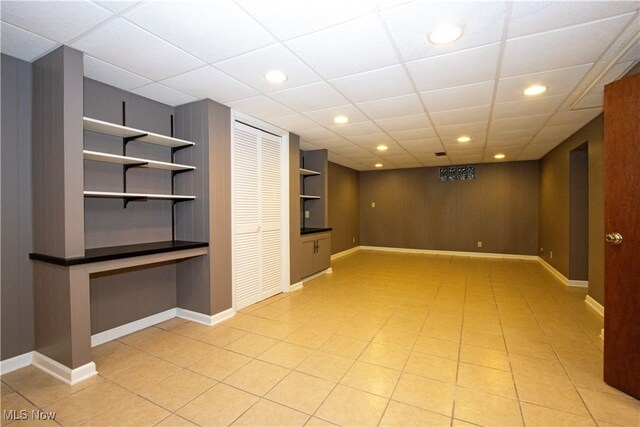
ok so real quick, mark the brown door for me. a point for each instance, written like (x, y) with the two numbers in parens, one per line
(622, 216)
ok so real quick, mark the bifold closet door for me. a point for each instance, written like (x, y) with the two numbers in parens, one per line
(257, 189)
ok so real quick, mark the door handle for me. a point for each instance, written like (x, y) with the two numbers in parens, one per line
(613, 238)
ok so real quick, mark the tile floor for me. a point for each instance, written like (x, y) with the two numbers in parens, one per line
(387, 339)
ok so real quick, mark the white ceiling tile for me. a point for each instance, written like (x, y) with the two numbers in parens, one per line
(461, 116)
(318, 134)
(325, 117)
(464, 158)
(262, 107)
(559, 49)
(116, 6)
(23, 44)
(590, 100)
(539, 16)
(349, 48)
(372, 141)
(110, 74)
(430, 161)
(418, 121)
(146, 55)
(294, 123)
(385, 4)
(614, 73)
(473, 129)
(633, 54)
(207, 82)
(352, 150)
(559, 131)
(422, 146)
(510, 135)
(356, 129)
(461, 150)
(404, 135)
(329, 144)
(511, 154)
(163, 94)
(482, 24)
(306, 146)
(574, 117)
(251, 68)
(516, 142)
(457, 97)
(530, 122)
(527, 107)
(400, 106)
(315, 96)
(210, 30)
(536, 151)
(383, 83)
(60, 21)
(455, 69)
(477, 139)
(287, 19)
(558, 82)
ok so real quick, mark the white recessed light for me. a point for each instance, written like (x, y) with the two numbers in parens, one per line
(382, 148)
(499, 156)
(464, 138)
(276, 76)
(341, 120)
(535, 90)
(444, 34)
(378, 165)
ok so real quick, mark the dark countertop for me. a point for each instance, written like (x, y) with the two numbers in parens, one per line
(119, 252)
(308, 230)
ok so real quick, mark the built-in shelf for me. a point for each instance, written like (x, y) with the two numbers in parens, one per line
(113, 129)
(309, 230)
(134, 161)
(307, 197)
(135, 196)
(308, 172)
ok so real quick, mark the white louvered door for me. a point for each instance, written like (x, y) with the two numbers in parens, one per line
(257, 189)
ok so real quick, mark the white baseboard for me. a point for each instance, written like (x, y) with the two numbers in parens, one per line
(345, 252)
(205, 319)
(318, 274)
(17, 362)
(595, 305)
(451, 253)
(578, 283)
(295, 287)
(61, 372)
(560, 276)
(129, 328)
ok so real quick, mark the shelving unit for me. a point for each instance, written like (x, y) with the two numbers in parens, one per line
(307, 197)
(130, 134)
(136, 196)
(308, 172)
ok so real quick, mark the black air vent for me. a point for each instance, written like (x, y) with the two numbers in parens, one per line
(440, 154)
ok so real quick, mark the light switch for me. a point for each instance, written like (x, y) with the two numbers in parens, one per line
(306, 214)
(373, 204)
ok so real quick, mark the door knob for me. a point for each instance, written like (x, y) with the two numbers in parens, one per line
(613, 238)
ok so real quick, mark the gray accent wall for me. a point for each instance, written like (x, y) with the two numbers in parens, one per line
(16, 274)
(344, 209)
(414, 209)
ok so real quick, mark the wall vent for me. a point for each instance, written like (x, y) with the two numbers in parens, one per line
(458, 173)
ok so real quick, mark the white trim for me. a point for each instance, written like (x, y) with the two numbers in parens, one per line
(126, 329)
(17, 362)
(451, 253)
(204, 318)
(578, 283)
(595, 305)
(318, 274)
(61, 372)
(560, 276)
(345, 252)
(295, 286)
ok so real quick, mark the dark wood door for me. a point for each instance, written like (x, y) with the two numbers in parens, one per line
(622, 215)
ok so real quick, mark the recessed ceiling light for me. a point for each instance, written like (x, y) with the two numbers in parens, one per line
(276, 76)
(378, 165)
(341, 120)
(382, 148)
(535, 90)
(444, 34)
(499, 156)
(464, 138)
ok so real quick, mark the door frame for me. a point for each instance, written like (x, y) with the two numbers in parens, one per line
(237, 116)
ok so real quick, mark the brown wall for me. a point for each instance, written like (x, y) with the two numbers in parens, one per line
(344, 209)
(555, 205)
(414, 209)
(579, 214)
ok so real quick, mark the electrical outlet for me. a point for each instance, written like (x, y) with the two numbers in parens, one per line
(551, 254)
(541, 249)
(307, 214)
(353, 239)
(373, 204)
(479, 244)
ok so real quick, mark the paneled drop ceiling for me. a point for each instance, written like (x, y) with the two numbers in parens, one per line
(370, 61)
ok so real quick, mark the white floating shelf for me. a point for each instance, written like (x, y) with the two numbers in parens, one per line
(308, 172)
(114, 195)
(304, 196)
(125, 160)
(113, 129)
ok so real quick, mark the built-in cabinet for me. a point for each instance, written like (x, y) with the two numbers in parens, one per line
(316, 252)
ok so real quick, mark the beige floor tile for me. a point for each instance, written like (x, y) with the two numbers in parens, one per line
(346, 406)
(219, 406)
(301, 391)
(273, 328)
(318, 422)
(177, 390)
(374, 379)
(114, 356)
(162, 342)
(550, 394)
(138, 337)
(344, 346)
(436, 347)
(175, 421)
(18, 408)
(286, 355)
(306, 337)
(266, 413)
(459, 423)
(5, 388)
(538, 416)
(425, 393)
(269, 312)
(395, 338)
(623, 410)
(401, 323)
(359, 330)
(221, 336)
(447, 333)
(551, 370)
(486, 409)
(485, 379)
(484, 357)
(483, 339)
(531, 348)
(384, 355)
(326, 366)
(399, 414)
(144, 374)
(170, 324)
(257, 377)
(188, 353)
(433, 367)
(89, 402)
(191, 329)
(220, 364)
(251, 345)
(321, 323)
(132, 412)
